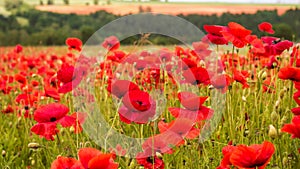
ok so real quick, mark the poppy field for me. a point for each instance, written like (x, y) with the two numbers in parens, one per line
(230, 100)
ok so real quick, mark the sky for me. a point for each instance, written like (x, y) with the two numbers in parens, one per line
(243, 1)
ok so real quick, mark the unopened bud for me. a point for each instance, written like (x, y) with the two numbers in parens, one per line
(244, 99)
(284, 120)
(285, 161)
(272, 131)
(277, 103)
(274, 116)
(34, 145)
(282, 92)
(202, 63)
(262, 74)
(72, 129)
(159, 155)
(3, 153)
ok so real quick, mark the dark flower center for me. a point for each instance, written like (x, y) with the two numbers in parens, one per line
(26, 107)
(139, 102)
(150, 160)
(52, 119)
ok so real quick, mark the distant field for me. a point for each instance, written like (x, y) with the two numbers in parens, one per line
(172, 9)
(85, 7)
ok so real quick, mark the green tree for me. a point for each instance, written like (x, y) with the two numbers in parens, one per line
(96, 2)
(86, 32)
(67, 2)
(12, 4)
(283, 30)
(50, 2)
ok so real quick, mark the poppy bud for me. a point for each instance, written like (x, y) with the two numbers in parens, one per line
(3, 153)
(72, 129)
(262, 74)
(244, 98)
(283, 120)
(202, 63)
(274, 116)
(285, 161)
(159, 155)
(277, 103)
(272, 132)
(282, 92)
(32, 162)
(34, 145)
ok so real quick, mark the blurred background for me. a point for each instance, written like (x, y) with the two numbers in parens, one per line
(50, 22)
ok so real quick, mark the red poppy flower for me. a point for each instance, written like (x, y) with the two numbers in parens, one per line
(151, 162)
(120, 87)
(111, 43)
(190, 100)
(240, 76)
(80, 118)
(65, 74)
(91, 158)
(140, 117)
(221, 82)
(268, 85)
(137, 100)
(188, 63)
(293, 128)
(197, 75)
(182, 127)
(258, 155)
(8, 110)
(215, 35)
(236, 34)
(297, 85)
(226, 151)
(201, 50)
(158, 143)
(51, 92)
(48, 116)
(70, 77)
(282, 46)
(21, 79)
(18, 48)
(54, 112)
(66, 162)
(74, 43)
(266, 27)
(257, 44)
(203, 113)
(46, 130)
(296, 111)
(118, 150)
(296, 97)
(289, 73)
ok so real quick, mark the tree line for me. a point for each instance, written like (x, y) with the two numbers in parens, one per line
(33, 27)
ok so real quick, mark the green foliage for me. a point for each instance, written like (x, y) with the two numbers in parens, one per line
(284, 31)
(86, 32)
(50, 2)
(12, 4)
(38, 24)
(67, 2)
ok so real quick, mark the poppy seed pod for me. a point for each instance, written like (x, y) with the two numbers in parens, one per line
(274, 116)
(272, 132)
(34, 145)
